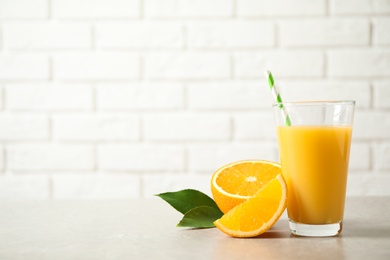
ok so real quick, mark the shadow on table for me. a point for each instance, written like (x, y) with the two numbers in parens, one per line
(275, 234)
(280, 230)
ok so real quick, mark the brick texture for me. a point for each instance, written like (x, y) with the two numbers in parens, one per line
(1, 158)
(381, 29)
(24, 187)
(107, 99)
(227, 96)
(187, 127)
(328, 89)
(254, 126)
(1, 97)
(23, 127)
(23, 9)
(359, 63)
(382, 91)
(372, 125)
(159, 34)
(380, 156)
(188, 8)
(48, 97)
(359, 156)
(192, 65)
(233, 34)
(90, 186)
(250, 64)
(24, 67)
(149, 96)
(270, 8)
(345, 7)
(43, 35)
(159, 183)
(81, 9)
(96, 128)
(208, 158)
(46, 157)
(140, 158)
(96, 66)
(325, 32)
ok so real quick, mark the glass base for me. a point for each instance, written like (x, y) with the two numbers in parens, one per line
(318, 230)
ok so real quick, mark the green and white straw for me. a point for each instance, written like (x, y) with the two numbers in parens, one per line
(277, 97)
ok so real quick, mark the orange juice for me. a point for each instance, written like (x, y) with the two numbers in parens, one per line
(315, 164)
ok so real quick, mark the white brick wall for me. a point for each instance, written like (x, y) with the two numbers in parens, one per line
(209, 157)
(90, 186)
(141, 157)
(22, 127)
(105, 127)
(24, 66)
(48, 97)
(187, 127)
(230, 34)
(188, 8)
(359, 90)
(372, 125)
(139, 96)
(49, 157)
(157, 183)
(121, 35)
(95, 66)
(360, 157)
(23, 9)
(24, 187)
(381, 35)
(46, 35)
(359, 63)
(324, 32)
(254, 126)
(1, 158)
(359, 7)
(81, 9)
(250, 64)
(129, 98)
(382, 91)
(381, 159)
(270, 8)
(187, 65)
(225, 96)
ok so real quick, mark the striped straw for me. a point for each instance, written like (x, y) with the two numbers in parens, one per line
(277, 96)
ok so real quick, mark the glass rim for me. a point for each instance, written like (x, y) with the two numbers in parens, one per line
(315, 103)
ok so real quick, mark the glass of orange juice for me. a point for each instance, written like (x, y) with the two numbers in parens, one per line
(314, 144)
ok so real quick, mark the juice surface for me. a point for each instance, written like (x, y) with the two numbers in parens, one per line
(315, 165)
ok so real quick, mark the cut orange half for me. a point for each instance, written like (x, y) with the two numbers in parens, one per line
(257, 214)
(236, 182)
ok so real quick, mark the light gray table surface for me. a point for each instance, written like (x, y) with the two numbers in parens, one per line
(146, 229)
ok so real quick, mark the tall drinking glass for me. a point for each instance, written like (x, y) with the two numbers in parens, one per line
(314, 154)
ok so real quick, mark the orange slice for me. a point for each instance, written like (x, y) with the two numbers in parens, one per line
(257, 214)
(234, 183)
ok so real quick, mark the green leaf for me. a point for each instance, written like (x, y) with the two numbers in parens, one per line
(185, 200)
(200, 217)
